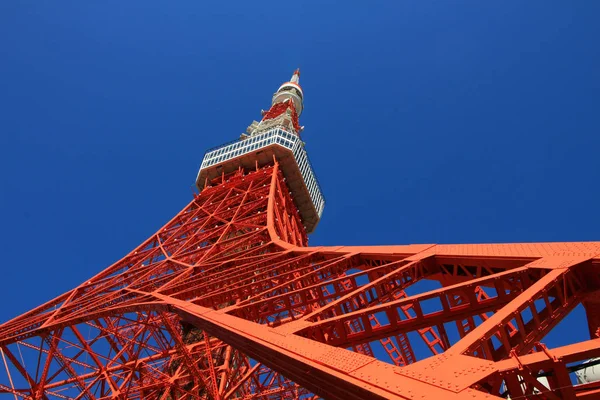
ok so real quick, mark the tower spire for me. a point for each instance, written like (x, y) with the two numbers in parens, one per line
(287, 104)
(296, 76)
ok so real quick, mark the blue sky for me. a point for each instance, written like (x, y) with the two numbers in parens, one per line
(426, 121)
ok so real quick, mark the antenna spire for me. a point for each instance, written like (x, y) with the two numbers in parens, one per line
(296, 77)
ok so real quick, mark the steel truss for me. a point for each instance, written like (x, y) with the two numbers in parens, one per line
(226, 301)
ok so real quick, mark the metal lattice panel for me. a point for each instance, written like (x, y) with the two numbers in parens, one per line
(226, 301)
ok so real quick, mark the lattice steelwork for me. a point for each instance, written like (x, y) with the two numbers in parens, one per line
(226, 301)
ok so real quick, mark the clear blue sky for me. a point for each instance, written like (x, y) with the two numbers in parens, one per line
(426, 122)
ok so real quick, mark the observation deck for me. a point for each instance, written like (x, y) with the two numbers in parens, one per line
(289, 151)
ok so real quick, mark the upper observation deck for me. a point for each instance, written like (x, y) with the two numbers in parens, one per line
(259, 148)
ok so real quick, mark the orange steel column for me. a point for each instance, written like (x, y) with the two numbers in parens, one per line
(227, 301)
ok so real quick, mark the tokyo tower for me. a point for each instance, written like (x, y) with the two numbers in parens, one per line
(227, 301)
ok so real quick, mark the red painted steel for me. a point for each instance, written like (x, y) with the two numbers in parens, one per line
(226, 301)
(279, 108)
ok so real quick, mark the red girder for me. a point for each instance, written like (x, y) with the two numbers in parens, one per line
(227, 302)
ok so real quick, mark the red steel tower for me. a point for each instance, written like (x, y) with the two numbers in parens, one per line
(226, 301)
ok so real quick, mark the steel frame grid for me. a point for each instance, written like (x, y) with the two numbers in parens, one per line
(226, 301)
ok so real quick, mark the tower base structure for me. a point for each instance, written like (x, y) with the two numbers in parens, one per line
(227, 302)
